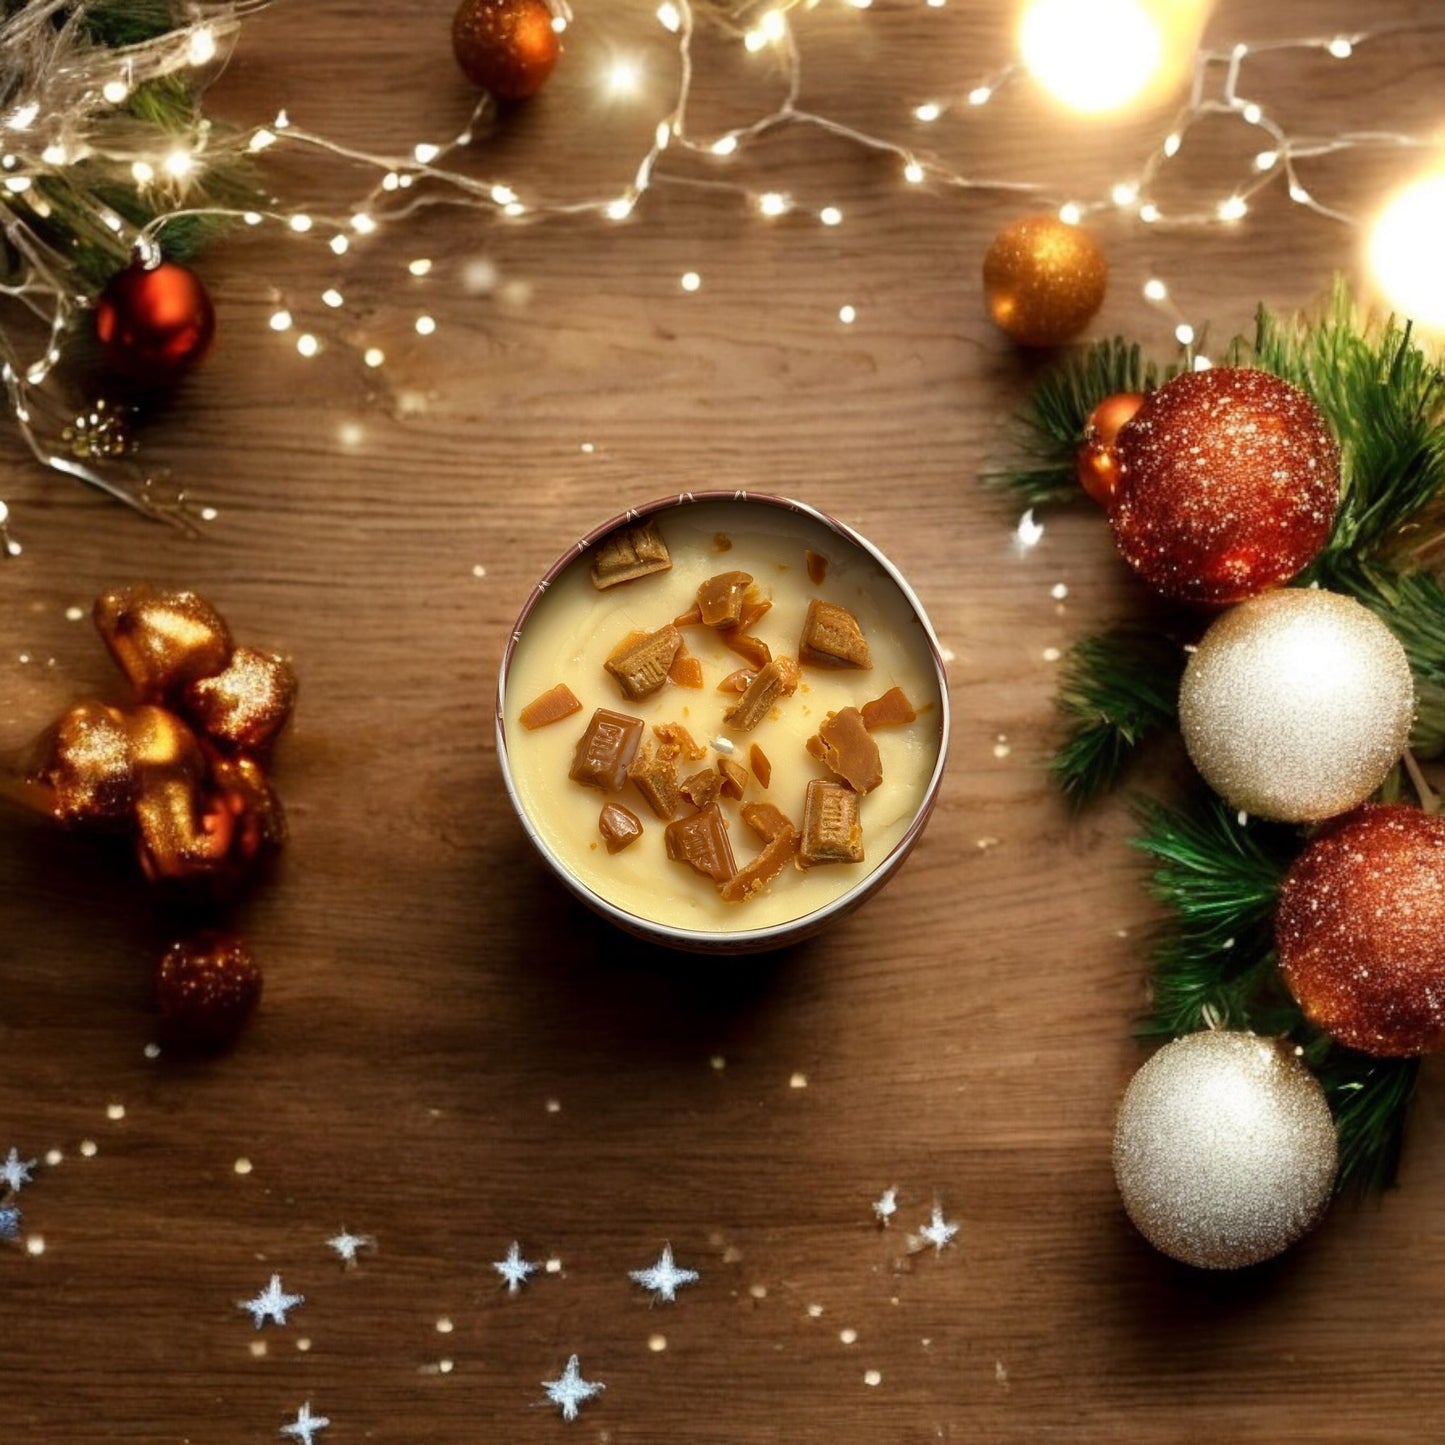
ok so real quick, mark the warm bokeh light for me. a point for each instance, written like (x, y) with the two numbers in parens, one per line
(1099, 55)
(1405, 252)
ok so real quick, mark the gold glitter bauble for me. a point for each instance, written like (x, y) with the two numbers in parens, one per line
(1043, 280)
(246, 705)
(1361, 930)
(1224, 1149)
(1229, 479)
(160, 639)
(1296, 704)
(206, 988)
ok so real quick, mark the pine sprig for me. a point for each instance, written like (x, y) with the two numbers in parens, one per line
(1214, 967)
(1053, 426)
(1220, 881)
(1116, 690)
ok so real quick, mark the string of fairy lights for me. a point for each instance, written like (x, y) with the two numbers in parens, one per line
(1092, 55)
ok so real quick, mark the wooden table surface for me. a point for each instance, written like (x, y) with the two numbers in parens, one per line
(451, 1054)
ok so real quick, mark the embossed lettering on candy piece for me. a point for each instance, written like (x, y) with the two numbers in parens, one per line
(606, 749)
(832, 830)
(701, 840)
(832, 637)
(641, 662)
(629, 553)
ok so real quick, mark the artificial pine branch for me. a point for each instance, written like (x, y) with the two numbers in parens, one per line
(1370, 1099)
(1117, 689)
(1054, 424)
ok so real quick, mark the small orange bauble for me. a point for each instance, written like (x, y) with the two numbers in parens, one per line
(1096, 461)
(1043, 280)
(154, 323)
(505, 46)
(206, 987)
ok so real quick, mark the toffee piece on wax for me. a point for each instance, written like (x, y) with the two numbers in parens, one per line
(606, 750)
(832, 637)
(832, 829)
(629, 553)
(641, 662)
(701, 841)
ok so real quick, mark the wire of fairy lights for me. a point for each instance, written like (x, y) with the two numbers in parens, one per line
(59, 107)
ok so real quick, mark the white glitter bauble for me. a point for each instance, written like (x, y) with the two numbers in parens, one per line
(1224, 1149)
(1296, 704)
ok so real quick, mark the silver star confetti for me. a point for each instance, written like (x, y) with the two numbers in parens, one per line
(15, 1171)
(305, 1425)
(346, 1244)
(885, 1206)
(664, 1277)
(571, 1390)
(938, 1231)
(514, 1269)
(9, 1222)
(271, 1304)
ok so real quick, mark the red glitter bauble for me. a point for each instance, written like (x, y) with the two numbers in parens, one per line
(1096, 461)
(155, 323)
(1360, 930)
(1228, 483)
(206, 987)
(505, 46)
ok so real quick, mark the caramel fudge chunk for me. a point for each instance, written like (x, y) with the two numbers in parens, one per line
(754, 876)
(832, 637)
(674, 735)
(654, 773)
(686, 670)
(762, 768)
(832, 831)
(817, 567)
(701, 841)
(606, 750)
(768, 821)
(629, 553)
(753, 650)
(849, 750)
(620, 827)
(734, 777)
(890, 710)
(702, 787)
(778, 679)
(720, 599)
(640, 664)
(552, 706)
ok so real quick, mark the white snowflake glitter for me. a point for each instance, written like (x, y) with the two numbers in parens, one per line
(305, 1425)
(885, 1206)
(346, 1244)
(938, 1231)
(271, 1304)
(664, 1278)
(514, 1269)
(570, 1390)
(15, 1171)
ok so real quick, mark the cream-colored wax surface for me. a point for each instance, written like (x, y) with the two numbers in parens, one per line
(572, 629)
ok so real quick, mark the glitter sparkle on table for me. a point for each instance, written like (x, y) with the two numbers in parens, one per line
(346, 1244)
(938, 1231)
(571, 1390)
(15, 1171)
(305, 1425)
(664, 1277)
(885, 1206)
(514, 1269)
(271, 1304)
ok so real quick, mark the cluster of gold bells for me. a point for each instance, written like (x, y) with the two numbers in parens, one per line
(181, 770)
(182, 766)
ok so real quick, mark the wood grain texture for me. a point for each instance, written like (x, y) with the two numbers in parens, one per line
(430, 989)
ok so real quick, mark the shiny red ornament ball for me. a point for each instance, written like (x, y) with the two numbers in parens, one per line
(206, 987)
(1360, 930)
(155, 323)
(505, 46)
(1229, 479)
(1097, 461)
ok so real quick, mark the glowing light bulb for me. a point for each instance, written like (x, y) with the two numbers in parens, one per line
(202, 47)
(772, 203)
(1404, 251)
(1093, 55)
(1233, 208)
(179, 164)
(115, 91)
(1155, 289)
(725, 145)
(623, 77)
(980, 95)
(928, 112)
(669, 17)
